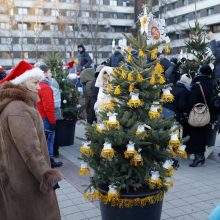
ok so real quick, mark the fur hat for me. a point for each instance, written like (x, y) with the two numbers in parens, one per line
(22, 72)
(206, 70)
(186, 79)
(99, 68)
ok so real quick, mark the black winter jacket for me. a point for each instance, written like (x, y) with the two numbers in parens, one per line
(85, 60)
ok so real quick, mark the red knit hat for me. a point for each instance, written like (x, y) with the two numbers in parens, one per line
(2, 69)
(22, 72)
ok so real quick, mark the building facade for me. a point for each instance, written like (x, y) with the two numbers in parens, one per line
(33, 29)
(180, 14)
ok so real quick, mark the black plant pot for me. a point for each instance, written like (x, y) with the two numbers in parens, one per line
(65, 132)
(148, 212)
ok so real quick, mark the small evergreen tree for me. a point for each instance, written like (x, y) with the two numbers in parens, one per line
(69, 93)
(198, 48)
(131, 149)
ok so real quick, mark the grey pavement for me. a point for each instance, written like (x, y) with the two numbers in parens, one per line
(195, 193)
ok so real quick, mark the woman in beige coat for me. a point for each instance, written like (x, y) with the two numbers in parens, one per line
(26, 179)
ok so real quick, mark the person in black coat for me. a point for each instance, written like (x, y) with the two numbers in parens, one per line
(85, 60)
(116, 58)
(199, 135)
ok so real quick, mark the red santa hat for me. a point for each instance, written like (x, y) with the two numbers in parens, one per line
(22, 72)
(70, 64)
(2, 69)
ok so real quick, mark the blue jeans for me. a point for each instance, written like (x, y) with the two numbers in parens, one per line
(50, 137)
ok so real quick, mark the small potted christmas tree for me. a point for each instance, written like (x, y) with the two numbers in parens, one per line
(69, 102)
(131, 150)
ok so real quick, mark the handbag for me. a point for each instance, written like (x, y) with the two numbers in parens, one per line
(199, 115)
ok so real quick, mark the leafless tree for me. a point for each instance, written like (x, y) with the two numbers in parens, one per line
(9, 10)
(96, 18)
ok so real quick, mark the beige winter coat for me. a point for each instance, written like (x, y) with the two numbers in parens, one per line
(26, 178)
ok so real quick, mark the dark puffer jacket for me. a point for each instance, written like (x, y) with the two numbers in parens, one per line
(215, 47)
(85, 60)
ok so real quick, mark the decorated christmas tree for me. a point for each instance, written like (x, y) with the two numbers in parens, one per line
(197, 50)
(69, 94)
(131, 150)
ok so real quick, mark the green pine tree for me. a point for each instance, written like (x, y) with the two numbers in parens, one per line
(136, 170)
(197, 46)
(69, 93)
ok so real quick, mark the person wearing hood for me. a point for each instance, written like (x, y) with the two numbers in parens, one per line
(104, 77)
(26, 178)
(172, 74)
(84, 59)
(116, 58)
(87, 77)
(199, 135)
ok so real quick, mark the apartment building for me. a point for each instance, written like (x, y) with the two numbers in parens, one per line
(180, 14)
(32, 29)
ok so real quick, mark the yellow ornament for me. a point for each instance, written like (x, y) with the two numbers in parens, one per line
(143, 21)
(107, 151)
(130, 58)
(169, 168)
(168, 182)
(153, 80)
(134, 102)
(167, 96)
(154, 54)
(137, 160)
(153, 113)
(108, 88)
(171, 151)
(167, 49)
(86, 149)
(112, 122)
(161, 79)
(130, 76)
(139, 78)
(130, 152)
(141, 53)
(91, 194)
(123, 74)
(117, 90)
(84, 169)
(181, 151)
(131, 87)
(174, 141)
(112, 194)
(100, 128)
(155, 180)
(158, 69)
(143, 131)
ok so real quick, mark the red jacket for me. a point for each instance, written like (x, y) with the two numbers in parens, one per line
(46, 104)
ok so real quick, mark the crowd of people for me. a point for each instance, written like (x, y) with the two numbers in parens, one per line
(31, 105)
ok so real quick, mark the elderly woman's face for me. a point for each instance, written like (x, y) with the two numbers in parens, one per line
(32, 85)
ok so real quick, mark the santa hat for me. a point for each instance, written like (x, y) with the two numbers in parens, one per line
(70, 64)
(22, 72)
(186, 79)
(2, 69)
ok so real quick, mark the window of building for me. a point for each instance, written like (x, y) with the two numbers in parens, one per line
(24, 55)
(6, 40)
(101, 15)
(22, 11)
(85, 1)
(22, 26)
(85, 14)
(54, 27)
(216, 28)
(22, 40)
(54, 13)
(175, 20)
(4, 26)
(113, 2)
(185, 2)
(99, 2)
(70, 27)
(210, 11)
(68, 55)
(39, 11)
(6, 55)
(54, 41)
(69, 13)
